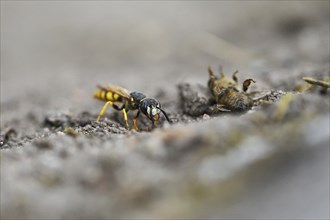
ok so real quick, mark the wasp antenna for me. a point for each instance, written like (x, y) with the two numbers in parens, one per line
(164, 113)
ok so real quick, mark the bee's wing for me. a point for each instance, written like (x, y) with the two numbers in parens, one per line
(116, 89)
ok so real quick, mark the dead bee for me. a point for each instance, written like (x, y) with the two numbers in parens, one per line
(130, 101)
(226, 94)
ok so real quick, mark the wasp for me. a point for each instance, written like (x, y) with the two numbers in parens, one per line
(226, 93)
(130, 101)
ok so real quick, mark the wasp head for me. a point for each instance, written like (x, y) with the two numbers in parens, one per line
(152, 108)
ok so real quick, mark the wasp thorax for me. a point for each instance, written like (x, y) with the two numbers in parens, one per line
(137, 96)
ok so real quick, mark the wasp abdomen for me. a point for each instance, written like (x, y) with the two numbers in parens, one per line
(107, 96)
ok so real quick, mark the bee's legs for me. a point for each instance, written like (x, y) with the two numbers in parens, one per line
(247, 83)
(134, 120)
(211, 74)
(235, 76)
(103, 110)
(221, 108)
(222, 75)
(212, 78)
(125, 117)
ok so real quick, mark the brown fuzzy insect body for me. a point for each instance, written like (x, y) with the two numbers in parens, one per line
(226, 93)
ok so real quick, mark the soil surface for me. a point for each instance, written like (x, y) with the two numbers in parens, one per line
(271, 161)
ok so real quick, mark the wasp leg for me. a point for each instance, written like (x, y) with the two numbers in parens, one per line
(103, 110)
(125, 117)
(152, 119)
(134, 121)
(122, 108)
(117, 107)
(235, 76)
(155, 122)
(247, 83)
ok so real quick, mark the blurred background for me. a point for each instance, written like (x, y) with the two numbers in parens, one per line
(65, 48)
(54, 53)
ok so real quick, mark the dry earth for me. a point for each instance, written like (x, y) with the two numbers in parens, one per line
(57, 162)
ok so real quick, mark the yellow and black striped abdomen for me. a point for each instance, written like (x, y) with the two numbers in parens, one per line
(108, 96)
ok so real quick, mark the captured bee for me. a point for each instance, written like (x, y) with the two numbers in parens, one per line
(130, 101)
(226, 94)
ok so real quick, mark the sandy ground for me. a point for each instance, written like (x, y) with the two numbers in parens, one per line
(57, 162)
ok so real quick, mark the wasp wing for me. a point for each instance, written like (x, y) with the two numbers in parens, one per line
(116, 89)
